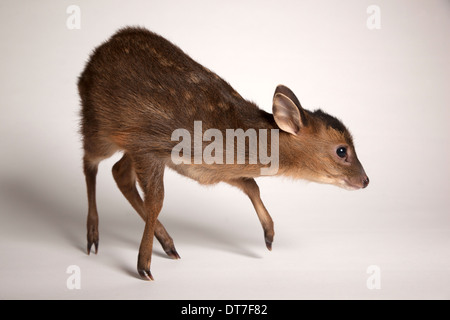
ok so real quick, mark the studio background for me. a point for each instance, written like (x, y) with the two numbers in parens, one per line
(388, 85)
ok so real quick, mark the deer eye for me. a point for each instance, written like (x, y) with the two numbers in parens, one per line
(341, 152)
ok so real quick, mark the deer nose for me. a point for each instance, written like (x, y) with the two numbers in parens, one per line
(365, 181)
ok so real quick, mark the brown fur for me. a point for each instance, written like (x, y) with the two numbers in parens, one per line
(137, 88)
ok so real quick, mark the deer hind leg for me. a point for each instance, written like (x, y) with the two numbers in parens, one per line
(251, 189)
(125, 177)
(150, 175)
(90, 172)
(94, 152)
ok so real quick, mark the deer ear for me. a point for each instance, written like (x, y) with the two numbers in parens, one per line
(287, 111)
(288, 93)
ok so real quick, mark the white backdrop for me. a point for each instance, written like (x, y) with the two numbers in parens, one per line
(388, 85)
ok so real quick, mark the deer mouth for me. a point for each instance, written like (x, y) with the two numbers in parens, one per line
(360, 183)
(347, 184)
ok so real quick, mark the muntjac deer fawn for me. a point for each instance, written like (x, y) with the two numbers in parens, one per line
(138, 89)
